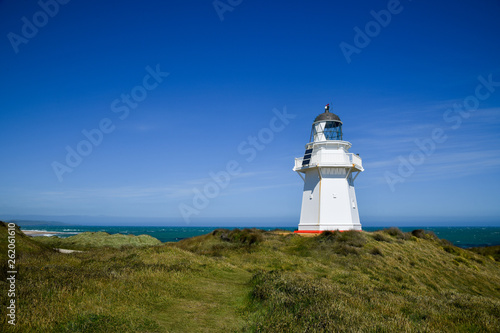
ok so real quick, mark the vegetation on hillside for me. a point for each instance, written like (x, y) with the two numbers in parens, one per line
(256, 281)
(488, 251)
(24, 244)
(88, 240)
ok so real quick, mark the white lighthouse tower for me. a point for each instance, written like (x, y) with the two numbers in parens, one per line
(328, 171)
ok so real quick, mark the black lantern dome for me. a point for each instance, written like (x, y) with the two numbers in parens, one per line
(327, 115)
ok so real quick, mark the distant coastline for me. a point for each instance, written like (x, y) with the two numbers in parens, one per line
(37, 233)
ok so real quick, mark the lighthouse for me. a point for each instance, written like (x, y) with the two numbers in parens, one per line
(328, 171)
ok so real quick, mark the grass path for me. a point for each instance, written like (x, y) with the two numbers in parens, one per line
(211, 303)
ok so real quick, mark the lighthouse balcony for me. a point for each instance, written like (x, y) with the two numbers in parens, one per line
(329, 160)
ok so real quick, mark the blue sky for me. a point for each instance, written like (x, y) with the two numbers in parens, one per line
(403, 87)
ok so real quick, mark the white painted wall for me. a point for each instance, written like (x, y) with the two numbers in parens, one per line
(328, 199)
(309, 214)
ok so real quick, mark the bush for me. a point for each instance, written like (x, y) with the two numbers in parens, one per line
(328, 236)
(345, 249)
(351, 237)
(493, 252)
(381, 238)
(245, 236)
(395, 232)
(343, 243)
(376, 252)
(419, 233)
(425, 234)
(452, 249)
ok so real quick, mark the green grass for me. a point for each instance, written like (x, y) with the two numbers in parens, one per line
(88, 240)
(255, 281)
(24, 244)
(492, 252)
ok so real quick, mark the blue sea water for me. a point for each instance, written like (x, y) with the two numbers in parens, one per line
(460, 236)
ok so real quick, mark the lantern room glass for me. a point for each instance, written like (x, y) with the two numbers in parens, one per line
(326, 130)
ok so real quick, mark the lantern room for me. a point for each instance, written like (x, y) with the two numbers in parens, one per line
(326, 127)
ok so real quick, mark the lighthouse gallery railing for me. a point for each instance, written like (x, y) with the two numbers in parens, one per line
(331, 160)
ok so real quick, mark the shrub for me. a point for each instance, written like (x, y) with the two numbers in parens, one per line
(493, 252)
(460, 260)
(426, 234)
(328, 236)
(376, 252)
(419, 233)
(396, 232)
(343, 243)
(452, 249)
(381, 238)
(345, 249)
(245, 236)
(351, 238)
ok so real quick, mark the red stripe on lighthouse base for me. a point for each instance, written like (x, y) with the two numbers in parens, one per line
(317, 231)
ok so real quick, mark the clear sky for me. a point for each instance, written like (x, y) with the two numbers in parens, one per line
(170, 92)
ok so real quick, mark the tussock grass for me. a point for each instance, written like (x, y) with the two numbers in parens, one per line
(93, 323)
(88, 240)
(376, 251)
(396, 233)
(491, 252)
(424, 234)
(245, 236)
(25, 245)
(380, 237)
(221, 241)
(255, 281)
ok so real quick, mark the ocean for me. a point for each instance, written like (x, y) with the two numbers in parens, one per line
(464, 237)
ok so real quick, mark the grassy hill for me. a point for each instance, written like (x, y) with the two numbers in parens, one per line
(256, 281)
(24, 244)
(88, 240)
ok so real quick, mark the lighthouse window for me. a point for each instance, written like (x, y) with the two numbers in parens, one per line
(333, 131)
(329, 130)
